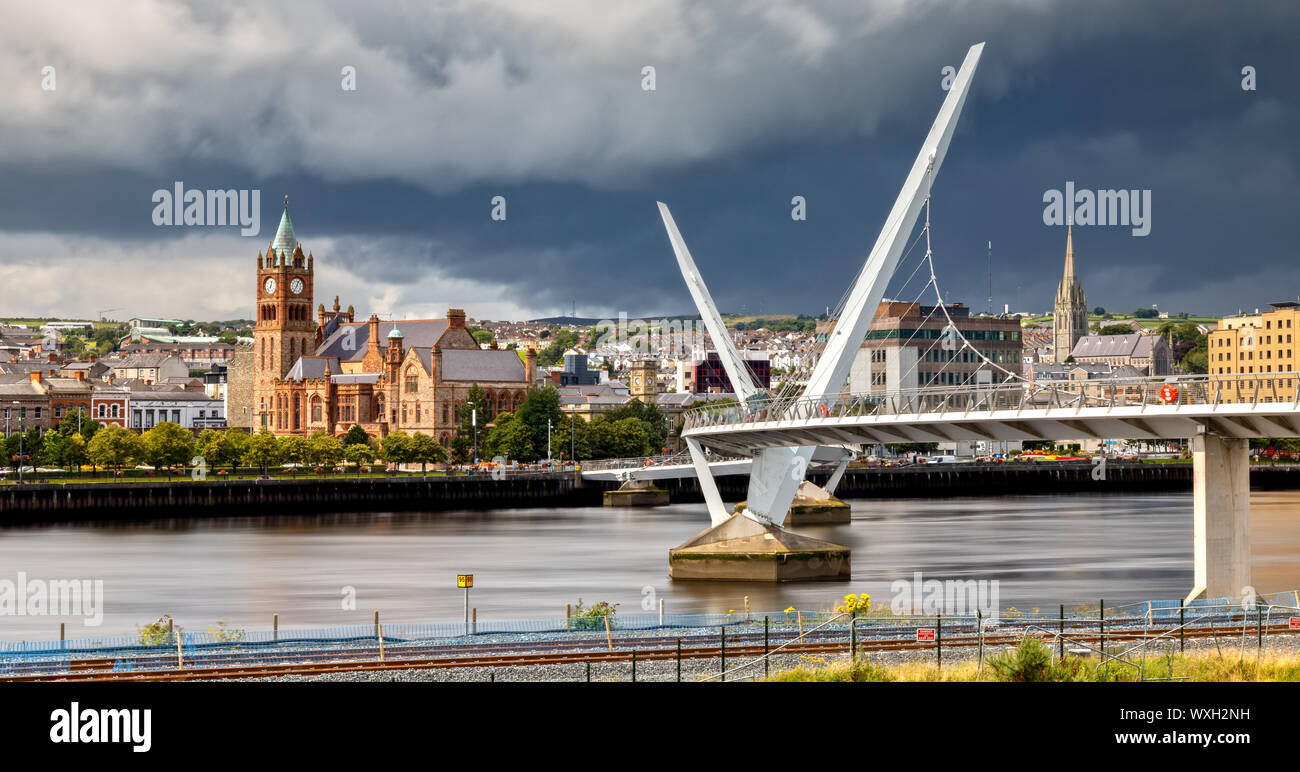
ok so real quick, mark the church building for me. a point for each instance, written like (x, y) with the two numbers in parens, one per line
(1070, 317)
(327, 372)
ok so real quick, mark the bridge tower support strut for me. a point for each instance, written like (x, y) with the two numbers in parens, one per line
(1221, 515)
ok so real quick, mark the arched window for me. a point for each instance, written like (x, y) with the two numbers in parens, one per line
(115, 413)
(297, 411)
(315, 409)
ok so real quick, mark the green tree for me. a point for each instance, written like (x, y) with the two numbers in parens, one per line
(168, 444)
(651, 418)
(115, 447)
(509, 437)
(74, 452)
(425, 450)
(295, 450)
(75, 418)
(50, 453)
(1115, 329)
(221, 448)
(262, 450)
(358, 454)
(573, 448)
(326, 449)
(396, 448)
(540, 406)
(356, 436)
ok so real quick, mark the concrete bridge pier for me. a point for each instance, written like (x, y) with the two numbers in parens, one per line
(1221, 515)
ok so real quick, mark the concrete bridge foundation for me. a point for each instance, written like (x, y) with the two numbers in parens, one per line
(1221, 515)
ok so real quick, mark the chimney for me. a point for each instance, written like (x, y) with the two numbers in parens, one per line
(374, 333)
(456, 318)
(530, 365)
(80, 375)
(35, 376)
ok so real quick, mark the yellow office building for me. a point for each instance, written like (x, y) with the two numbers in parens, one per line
(1253, 345)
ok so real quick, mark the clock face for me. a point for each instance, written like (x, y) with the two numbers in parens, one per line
(295, 286)
(269, 286)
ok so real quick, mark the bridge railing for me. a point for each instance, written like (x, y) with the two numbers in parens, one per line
(1174, 390)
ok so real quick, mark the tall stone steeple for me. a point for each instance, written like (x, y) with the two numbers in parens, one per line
(1070, 318)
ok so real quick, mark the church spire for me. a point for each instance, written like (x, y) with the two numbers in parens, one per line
(1069, 277)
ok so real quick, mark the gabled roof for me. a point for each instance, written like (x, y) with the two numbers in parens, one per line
(312, 367)
(1133, 345)
(481, 365)
(417, 333)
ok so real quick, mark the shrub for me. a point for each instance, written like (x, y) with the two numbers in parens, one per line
(1032, 661)
(592, 617)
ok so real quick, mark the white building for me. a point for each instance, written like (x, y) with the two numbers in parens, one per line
(190, 409)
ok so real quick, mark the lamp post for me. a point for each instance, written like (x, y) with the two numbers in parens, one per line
(573, 453)
(548, 441)
(473, 422)
(20, 445)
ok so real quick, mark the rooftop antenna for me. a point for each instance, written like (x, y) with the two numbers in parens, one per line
(990, 278)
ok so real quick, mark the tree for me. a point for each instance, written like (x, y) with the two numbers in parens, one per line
(74, 452)
(356, 436)
(168, 444)
(78, 420)
(540, 406)
(262, 450)
(1099, 311)
(358, 454)
(651, 418)
(1115, 329)
(295, 450)
(221, 448)
(509, 437)
(562, 341)
(574, 447)
(326, 449)
(425, 450)
(396, 448)
(1146, 313)
(115, 447)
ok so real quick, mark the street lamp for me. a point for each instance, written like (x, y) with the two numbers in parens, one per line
(20, 445)
(573, 453)
(473, 422)
(548, 441)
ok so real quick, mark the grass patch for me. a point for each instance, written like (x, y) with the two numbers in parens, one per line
(1032, 661)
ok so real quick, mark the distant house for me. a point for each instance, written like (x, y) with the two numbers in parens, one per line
(150, 368)
(190, 409)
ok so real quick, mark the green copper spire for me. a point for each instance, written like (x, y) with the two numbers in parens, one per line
(284, 241)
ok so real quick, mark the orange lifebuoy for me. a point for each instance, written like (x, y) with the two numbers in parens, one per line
(1168, 393)
(821, 408)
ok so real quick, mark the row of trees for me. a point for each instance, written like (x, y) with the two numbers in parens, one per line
(634, 429)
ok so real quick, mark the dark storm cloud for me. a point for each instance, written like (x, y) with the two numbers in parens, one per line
(756, 103)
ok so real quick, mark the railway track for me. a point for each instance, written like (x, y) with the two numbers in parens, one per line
(100, 669)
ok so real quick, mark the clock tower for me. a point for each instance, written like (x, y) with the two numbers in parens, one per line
(285, 327)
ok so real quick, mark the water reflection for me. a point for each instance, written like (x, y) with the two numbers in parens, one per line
(1044, 550)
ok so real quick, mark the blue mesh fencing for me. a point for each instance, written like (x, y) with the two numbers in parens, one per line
(432, 644)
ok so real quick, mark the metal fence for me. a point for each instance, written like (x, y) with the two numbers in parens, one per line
(156, 649)
(1170, 391)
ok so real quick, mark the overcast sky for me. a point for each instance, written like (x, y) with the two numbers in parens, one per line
(391, 184)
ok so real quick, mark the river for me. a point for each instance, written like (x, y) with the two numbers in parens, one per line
(528, 563)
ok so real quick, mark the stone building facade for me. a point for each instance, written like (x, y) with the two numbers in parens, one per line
(327, 372)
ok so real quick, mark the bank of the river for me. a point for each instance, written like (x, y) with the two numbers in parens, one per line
(182, 498)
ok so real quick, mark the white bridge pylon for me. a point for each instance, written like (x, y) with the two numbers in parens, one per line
(777, 471)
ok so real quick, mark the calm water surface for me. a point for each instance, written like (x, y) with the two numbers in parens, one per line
(1044, 550)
